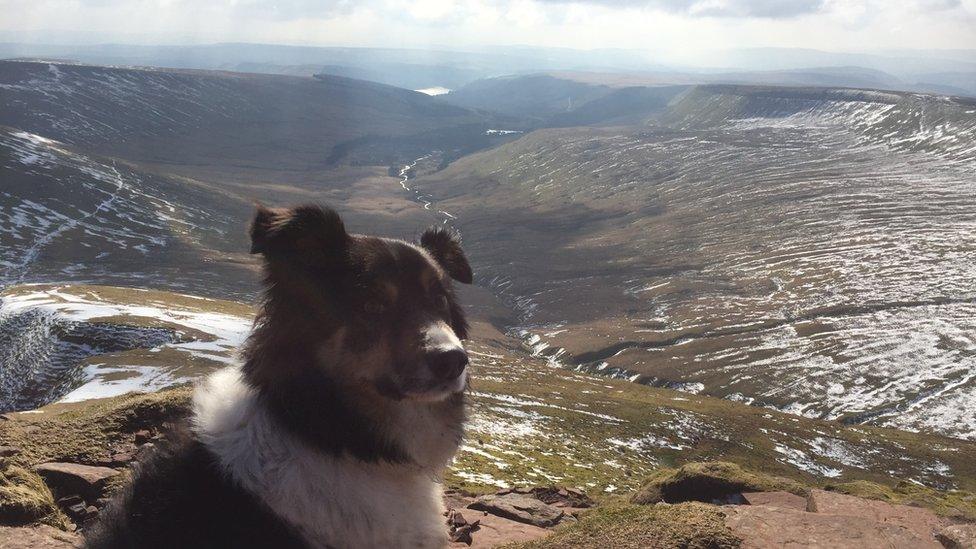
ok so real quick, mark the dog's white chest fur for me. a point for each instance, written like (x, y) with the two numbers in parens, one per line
(335, 502)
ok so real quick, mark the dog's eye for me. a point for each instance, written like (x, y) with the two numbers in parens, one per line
(442, 302)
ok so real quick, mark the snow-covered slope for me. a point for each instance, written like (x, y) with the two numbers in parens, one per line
(911, 122)
(68, 343)
(811, 251)
(66, 215)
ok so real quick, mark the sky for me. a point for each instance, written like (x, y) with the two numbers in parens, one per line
(668, 26)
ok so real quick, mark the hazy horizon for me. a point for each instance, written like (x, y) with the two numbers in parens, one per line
(675, 29)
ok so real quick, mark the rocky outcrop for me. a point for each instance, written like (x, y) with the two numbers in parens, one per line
(764, 520)
(830, 519)
(752, 510)
(510, 515)
(37, 537)
(558, 496)
(712, 482)
(958, 536)
(520, 508)
(765, 527)
(783, 500)
(922, 522)
(495, 531)
(66, 479)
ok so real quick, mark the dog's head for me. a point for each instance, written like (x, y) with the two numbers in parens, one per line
(377, 313)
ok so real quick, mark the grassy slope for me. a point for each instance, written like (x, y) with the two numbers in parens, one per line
(87, 433)
(687, 525)
(534, 423)
(702, 257)
(25, 499)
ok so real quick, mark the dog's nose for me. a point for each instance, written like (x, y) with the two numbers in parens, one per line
(447, 365)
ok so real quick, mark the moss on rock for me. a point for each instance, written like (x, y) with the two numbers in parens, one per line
(708, 482)
(84, 433)
(685, 525)
(87, 432)
(25, 499)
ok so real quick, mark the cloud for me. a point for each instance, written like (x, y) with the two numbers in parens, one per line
(282, 9)
(277, 10)
(656, 27)
(773, 9)
(939, 4)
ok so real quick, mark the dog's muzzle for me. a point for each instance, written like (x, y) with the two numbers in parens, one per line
(446, 365)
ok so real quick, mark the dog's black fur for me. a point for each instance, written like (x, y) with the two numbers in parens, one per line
(319, 280)
(180, 498)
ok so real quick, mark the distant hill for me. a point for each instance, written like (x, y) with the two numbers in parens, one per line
(530, 96)
(955, 83)
(565, 98)
(413, 76)
(851, 77)
(904, 64)
(943, 125)
(913, 70)
(206, 117)
(631, 105)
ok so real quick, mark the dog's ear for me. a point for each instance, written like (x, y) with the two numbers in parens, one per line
(445, 246)
(308, 229)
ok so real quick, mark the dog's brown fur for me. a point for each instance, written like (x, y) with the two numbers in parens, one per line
(343, 316)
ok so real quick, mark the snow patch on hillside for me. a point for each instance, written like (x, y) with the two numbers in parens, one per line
(206, 339)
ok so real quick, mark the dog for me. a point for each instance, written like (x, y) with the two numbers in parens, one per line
(348, 406)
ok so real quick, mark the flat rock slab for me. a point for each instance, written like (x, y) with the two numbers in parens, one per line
(65, 479)
(923, 522)
(494, 531)
(37, 537)
(557, 496)
(959, 536)
(520, 508)
(785, 500)
(762, 527)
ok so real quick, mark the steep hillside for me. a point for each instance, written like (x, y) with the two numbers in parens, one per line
(942, 125)
(229, 119)
(148, 177)
(810, 251)
(67, 215)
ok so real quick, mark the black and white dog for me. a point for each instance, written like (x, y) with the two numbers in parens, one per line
(349, 404)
